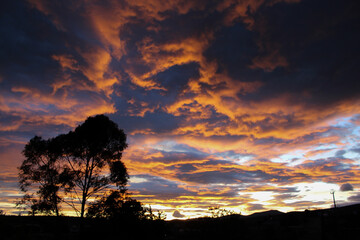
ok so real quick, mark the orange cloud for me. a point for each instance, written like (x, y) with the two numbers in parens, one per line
(167, 55)
(96, 69)
(26, 101)
(239, 9)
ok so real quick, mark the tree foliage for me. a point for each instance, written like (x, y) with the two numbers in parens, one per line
(41, 168)
(94, 147)
(119, 205)
(216, 212)
(116, 205)
(74, 165)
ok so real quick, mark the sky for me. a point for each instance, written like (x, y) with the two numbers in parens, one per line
(249, 105)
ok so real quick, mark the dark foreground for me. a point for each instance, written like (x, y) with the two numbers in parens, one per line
(341, 223)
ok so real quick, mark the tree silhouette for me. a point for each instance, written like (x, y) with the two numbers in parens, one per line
(94, 148)
(116, 205)
(216, 212)
(41, 168)
(119, 205)
(81, 163)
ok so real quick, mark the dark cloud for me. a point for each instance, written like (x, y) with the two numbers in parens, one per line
(157, 121)
(356, 150)
(185, 168)
(319, 41)
(177, 214)
(162, 188)
(255, 207)
(175, 78)
(233, 48)
(285, 196)
(271, 140)
(210, 177)
(27, 44)
(229, 176)
(354, 198)
(340, 153)
(174, 155)
(346, 187)
(335, 165)
(305, 204)
(288, 189)
(8, 182)
(31, 40)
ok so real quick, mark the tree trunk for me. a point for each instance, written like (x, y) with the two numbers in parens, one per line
(83, 201)
(56, 206)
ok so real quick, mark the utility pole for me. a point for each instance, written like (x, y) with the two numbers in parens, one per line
(333, 193)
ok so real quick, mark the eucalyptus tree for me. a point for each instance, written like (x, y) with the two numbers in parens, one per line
(93, 154)
(73, 167)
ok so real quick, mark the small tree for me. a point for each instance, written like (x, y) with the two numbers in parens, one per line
(116, 205)
(216, 212)
(149, 214)
(119, 205)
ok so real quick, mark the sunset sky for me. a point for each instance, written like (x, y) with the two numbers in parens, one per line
(251, 105)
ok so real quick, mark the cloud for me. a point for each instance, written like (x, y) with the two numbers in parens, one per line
(160, 187)
(354, 198)
(346, 187)
(356, 150)
(177, 214)
(340, 153)
(255, 207)
(269, 62)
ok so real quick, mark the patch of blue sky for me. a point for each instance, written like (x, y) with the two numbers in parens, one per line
(173, 146)
(353, 156)
(325, 151)
(355, 135)
(234, 157)
(289, 157)
(325, 147)
(325, 154)
(343, 122)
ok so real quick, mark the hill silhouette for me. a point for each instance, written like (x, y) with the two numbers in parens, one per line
(340, 223)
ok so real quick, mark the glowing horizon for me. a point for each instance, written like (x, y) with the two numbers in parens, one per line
(249, 105)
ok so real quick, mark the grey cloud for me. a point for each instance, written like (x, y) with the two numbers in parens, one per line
(356, 150)
(158, 186)
(354, 198)
(177, 214)
(318, 60)
(285, 196)
(340, 153)
(336, 165)
(229, 176)
(305, 204)
(255, 207)
(346, 187)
